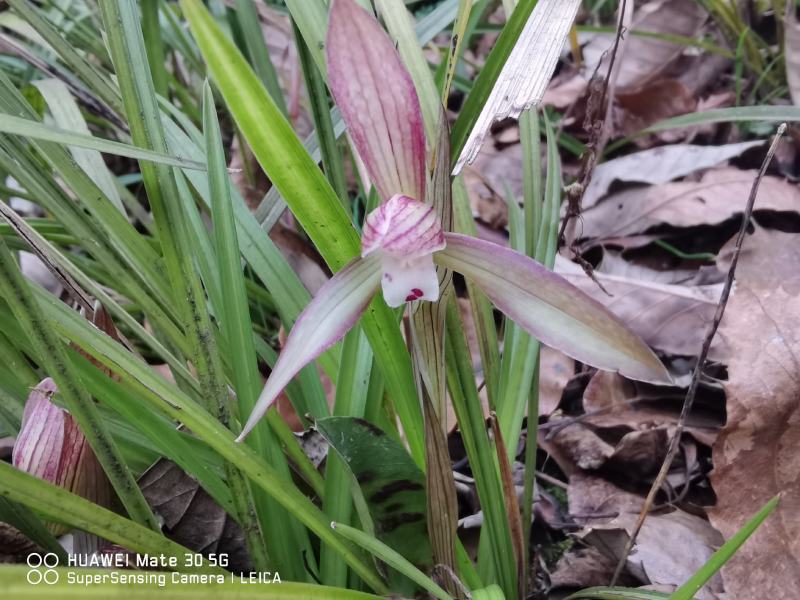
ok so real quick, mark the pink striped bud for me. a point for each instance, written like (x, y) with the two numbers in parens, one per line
(51, 446)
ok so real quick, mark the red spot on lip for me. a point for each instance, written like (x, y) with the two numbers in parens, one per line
(415, 294)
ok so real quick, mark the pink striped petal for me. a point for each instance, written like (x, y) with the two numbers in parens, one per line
(37, 449)
(376, 96)
(332, 313)
(51, 446)
(404, 228)
(548, 307)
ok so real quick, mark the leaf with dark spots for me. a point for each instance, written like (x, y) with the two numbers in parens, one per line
(376, 431)
(365, 477)
(397, 520)
(389, 490)
(392, 484)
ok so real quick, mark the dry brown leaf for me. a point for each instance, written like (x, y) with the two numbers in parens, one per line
(594, 501)
(756, 455)
(494, 169)
(555, 371)
(584, 568)
(718, 196)
(646, 58)
(668, 316)
(659, 165)
(191, 517)
(766, 258)
(575, 447)
(15, 546)
(565, 90)
(651, 103)
(612, 401)
(669, 549)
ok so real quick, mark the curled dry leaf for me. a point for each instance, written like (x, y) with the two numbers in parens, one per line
(574, 446)
(719, 195)
(756, 454)
(555, 371)
(611, 401)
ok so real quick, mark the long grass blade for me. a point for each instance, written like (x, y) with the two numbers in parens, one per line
(39, 131)
(688, 590)
(123, 29)
(286, 538)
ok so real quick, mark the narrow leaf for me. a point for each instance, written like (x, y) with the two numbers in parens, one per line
(729, 115)
(284, 532)
(442, 503)
(688, 590)
(67, 115)
(48, 133)
(511, 504)
(551, 309)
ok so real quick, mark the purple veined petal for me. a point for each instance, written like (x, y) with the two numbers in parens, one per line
(37, 449)
(377, 99)
(331, 314)
(403, 227)
(51, 446)
(551, 309)
(408, 280)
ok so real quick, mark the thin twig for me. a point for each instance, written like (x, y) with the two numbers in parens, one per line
(674, 443)
(597, 121)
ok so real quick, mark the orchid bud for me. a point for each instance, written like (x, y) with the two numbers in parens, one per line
(51, 446)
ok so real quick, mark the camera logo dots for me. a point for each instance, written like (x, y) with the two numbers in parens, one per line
(42, 568)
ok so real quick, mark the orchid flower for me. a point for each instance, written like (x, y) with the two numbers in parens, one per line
(403, 239)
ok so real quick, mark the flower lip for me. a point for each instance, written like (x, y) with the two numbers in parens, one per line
(404, 228)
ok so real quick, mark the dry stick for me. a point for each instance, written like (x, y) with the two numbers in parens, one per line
(597, 121)
(674, 443)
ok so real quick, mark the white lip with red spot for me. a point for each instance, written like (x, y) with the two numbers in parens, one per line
(406, 232)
